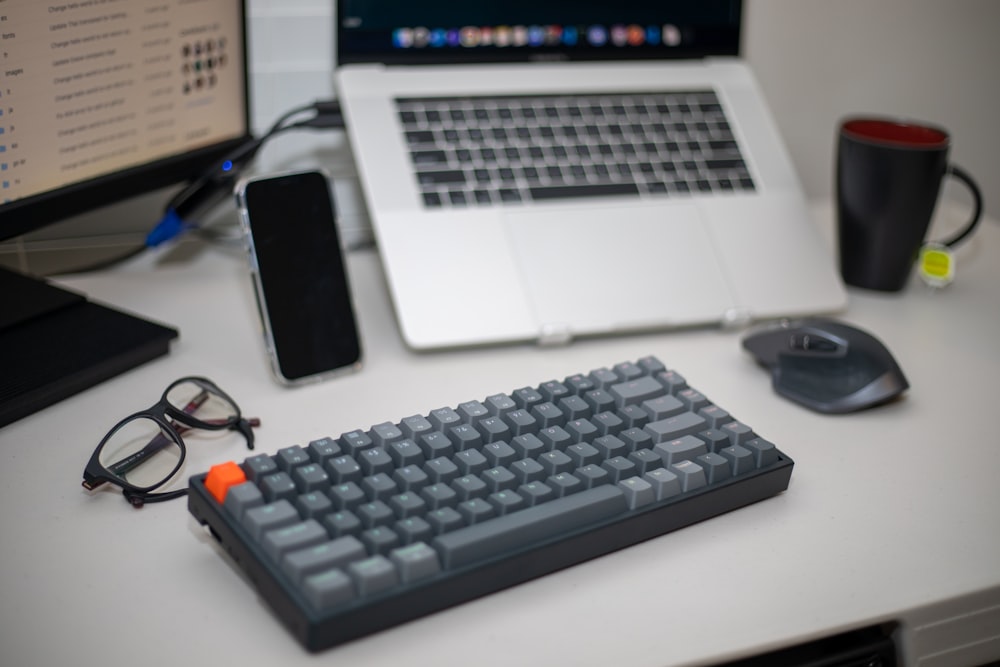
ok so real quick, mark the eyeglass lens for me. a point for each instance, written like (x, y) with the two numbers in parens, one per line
(141, 453)
(202, 401)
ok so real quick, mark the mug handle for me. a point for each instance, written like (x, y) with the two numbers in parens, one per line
(977, 205)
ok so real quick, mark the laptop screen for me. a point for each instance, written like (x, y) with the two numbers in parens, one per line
(446, 31)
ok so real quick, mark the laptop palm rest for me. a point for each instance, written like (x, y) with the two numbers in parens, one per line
(603, 269)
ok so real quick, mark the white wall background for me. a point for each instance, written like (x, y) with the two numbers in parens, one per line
(932, 60)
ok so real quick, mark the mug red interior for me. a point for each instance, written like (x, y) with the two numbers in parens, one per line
(895, 133)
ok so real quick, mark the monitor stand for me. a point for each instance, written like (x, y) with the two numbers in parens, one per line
(55, 343)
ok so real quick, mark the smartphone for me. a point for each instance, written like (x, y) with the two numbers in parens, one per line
(299, 276)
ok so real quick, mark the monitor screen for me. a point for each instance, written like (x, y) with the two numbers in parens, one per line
(445, 31)
(101, 100)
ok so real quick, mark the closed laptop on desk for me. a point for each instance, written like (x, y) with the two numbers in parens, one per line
(548, 170)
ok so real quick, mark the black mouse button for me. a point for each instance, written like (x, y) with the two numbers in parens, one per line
(813, 342)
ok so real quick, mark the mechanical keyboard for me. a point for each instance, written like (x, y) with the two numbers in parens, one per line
(347, 536)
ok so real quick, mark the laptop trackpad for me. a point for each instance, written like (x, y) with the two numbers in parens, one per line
(608, 268)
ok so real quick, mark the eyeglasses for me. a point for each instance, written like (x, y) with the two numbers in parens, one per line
(144, 451)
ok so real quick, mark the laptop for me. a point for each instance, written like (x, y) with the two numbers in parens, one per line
(549, 170)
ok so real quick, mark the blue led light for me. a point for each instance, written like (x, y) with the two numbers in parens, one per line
(227, 165)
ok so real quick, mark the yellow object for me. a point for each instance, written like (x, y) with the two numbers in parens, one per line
(937, 265)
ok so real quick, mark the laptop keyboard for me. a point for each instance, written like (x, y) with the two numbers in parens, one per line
(345, 536)
(502, 150)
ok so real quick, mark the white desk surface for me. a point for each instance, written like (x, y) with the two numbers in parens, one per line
(889, 512)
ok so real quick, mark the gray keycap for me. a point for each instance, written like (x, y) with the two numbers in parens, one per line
(259, 466)
(342, 524)
(443, 418)
(278, 486)
(372, 575)
(343, 469)
(413, 427)
(279, 541)
(441, 470)
(405, 453)
(636, 391)
(375, 460)
(435, 444)
(555, 437)
(374, 514)
(494, 429)
(413, 530)
(242, 497)
(354, 441)
(410, 478)
(415, 561)
(499, 454)
(610, 446)
(379, 487)
(690, 474)
(715, 416)
(715, 466)
(686, 448)
(347, 496)
(328, 589)
(257, 520)
(763, 452)
(379, 540)
(289, 457)
(523, 528)
(327, 555)
(309, 478)
(527, 446)
(322, 449)
(638, 492)
(592, 475)
(499, 404)
(740, 459)
(471, 462)
(475, 510)
(694, 400)
(313, 505)
(662, 407)
(665, 483)
(671, 428)
(385, 434)
(520, 422)
(739, 433)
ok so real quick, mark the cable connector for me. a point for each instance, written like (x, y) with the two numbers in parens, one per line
(169, 226)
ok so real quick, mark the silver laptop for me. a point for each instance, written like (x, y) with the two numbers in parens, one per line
(548, 170)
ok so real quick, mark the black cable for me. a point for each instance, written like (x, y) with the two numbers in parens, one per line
(216, 183)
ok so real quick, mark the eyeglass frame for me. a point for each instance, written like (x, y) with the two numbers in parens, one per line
(96, 474)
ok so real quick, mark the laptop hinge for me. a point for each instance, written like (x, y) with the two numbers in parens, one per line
(554, 334)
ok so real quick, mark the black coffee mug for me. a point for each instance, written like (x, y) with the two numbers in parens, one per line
(889, 175)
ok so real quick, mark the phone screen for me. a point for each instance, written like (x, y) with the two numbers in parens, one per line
(302, 286)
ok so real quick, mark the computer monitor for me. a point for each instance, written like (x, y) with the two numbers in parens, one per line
(101, 102)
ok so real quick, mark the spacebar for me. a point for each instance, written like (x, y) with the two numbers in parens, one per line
(566, 191)
(525, 527)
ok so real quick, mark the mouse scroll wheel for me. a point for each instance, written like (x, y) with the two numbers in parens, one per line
(810, 342)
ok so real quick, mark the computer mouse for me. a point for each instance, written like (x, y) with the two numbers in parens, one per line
(827, 365)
